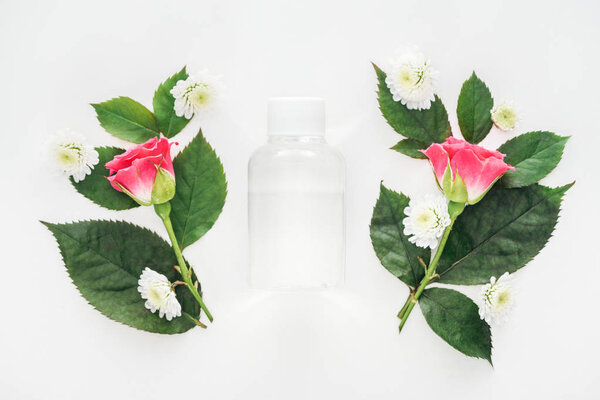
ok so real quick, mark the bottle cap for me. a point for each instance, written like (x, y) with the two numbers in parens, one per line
(296, 116)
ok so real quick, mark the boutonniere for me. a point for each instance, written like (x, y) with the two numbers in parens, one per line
(488, 219)
(129, 273)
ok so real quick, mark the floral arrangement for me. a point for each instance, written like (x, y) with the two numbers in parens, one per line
(129, 273)
(489, 218)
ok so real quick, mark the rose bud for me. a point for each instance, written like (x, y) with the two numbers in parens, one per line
(145, 172)
(464, 171)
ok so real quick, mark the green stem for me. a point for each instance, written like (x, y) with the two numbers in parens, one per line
(163, 211)
(405, 306)
(454, 209)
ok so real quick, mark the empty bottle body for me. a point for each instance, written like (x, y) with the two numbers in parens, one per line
(296, 213)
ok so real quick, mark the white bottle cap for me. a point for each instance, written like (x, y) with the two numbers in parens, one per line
(296, 116)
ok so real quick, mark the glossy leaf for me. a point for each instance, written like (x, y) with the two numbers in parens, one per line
(200, 191)
(97, 188)
(127, 119)
(426, 126)
(455, 318)
(534, 155)
(396, 253)
(475, 104)
(501, 233)
(163, 103)
(411, 147)
(105, 260)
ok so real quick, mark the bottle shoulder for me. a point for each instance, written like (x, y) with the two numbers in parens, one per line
(272, 152)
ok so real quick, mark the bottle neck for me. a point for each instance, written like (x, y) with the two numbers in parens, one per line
(296, 139)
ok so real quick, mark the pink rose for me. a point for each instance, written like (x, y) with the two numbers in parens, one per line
(464, 171)
(145, 172)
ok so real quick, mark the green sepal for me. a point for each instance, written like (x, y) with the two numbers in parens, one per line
(163, 189)
(133, 197)
(455, 190)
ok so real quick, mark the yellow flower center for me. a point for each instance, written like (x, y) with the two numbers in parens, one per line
(409, 78)
(503, 299)
(155, 296)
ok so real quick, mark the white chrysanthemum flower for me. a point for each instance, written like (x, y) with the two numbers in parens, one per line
(159, 294)
(195, 94)
(411, 80)
(505, 116)
(496, 300)
(426, 220)
(70, 153)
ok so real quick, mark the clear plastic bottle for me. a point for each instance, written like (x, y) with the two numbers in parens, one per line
(296, 185)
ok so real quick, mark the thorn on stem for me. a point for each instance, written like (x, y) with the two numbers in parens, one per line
(422, 264)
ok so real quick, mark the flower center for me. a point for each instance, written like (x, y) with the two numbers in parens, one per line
(502, 299)
(201, 96)
(155, 296)
(411, 77)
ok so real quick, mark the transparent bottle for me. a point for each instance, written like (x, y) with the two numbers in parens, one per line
(296, 185)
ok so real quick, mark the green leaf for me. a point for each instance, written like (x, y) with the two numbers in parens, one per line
(163, 102)
(455, 318)
(426, 126)
(396, 253)
(534, 155)
(501, 233)
(411, 147)
(475, 104)
(200, 191)
(127, 119)
(97, 188)
(105, 260)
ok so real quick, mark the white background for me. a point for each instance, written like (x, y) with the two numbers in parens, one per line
(59, 56)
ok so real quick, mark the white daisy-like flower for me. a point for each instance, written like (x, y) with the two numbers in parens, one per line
(71, 154)
(159, 294)
(196, 94)
(505, 116)
(411, 79)
(497, 299)
(426, 220)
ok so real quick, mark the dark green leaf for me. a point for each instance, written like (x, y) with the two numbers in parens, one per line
(97, 188)
(105, 260)
(455, 318)
(163, 103)
(127, 119)
(426, 126)
(396, 253)
(200, 191)
(501, 233)
(475, 104)
(411, 147)
(534, 155)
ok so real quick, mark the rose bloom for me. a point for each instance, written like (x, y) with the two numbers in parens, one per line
(464, 171)
(144, 172)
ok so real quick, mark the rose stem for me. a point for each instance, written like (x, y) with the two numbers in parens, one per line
(163, 211)
(454, 209)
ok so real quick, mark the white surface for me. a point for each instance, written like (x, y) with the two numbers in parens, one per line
(296, 116)
(58, 56)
